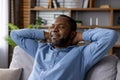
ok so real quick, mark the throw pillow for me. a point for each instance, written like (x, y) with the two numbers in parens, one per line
(10, 74)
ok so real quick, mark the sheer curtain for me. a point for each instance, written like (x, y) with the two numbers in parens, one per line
(3, 33)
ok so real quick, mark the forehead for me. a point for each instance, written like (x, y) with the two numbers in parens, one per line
(61, 20)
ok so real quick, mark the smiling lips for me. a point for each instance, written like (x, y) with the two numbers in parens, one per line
(54, 35)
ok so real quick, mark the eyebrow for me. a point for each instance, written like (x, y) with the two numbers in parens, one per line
(58, 24)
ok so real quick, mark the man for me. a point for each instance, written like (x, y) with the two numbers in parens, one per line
(60, 58)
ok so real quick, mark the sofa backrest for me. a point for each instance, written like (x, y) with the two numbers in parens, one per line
(21, 59)
(106, 69)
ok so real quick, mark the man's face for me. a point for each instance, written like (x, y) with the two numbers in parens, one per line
(60, 32)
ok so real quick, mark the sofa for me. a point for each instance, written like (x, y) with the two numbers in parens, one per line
(108, 68)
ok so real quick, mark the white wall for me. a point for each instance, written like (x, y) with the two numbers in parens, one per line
(3, 33)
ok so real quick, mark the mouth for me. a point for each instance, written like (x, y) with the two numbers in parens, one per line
(54, 35)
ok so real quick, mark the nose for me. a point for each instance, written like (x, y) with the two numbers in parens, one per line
(55, 28)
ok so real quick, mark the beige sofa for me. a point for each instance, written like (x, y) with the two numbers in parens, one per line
(107, 69)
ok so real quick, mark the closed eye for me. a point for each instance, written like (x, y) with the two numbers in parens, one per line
(61, 26)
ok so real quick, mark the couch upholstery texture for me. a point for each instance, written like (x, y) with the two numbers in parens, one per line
(106, 69)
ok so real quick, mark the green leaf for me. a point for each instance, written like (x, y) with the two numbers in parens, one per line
(30, 26)
(10, 41)
(38, 21)
(12, 26)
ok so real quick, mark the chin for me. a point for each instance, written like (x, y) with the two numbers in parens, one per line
(56, 43)
(59, 42)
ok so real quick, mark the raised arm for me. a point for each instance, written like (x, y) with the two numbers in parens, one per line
(101, 41)
(27, 39)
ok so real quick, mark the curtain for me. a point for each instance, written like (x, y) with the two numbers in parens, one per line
(3, 33)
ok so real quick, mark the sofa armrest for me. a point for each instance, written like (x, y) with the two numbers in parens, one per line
(21, 59)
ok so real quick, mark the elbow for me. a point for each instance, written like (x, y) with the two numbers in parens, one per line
(13, 35)
(113, 36)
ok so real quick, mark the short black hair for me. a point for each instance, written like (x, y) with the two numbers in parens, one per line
(71, 21)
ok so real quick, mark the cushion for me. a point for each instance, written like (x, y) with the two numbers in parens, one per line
(21, 59)
(10, 74)
(105, 69)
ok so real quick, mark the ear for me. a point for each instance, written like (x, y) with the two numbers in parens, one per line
(73, 34)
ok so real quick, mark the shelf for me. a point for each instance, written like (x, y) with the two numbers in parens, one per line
(115, 8)
(84, 27)
(116, 27)
(90, 27)
(94, 9)
(41, 8)
(117, 46)
(74, 9)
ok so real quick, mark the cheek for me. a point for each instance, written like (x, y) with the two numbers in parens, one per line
(65, 34)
